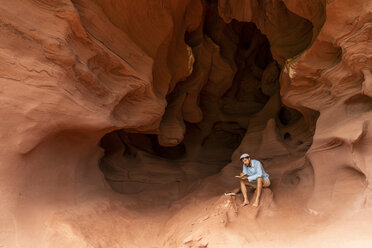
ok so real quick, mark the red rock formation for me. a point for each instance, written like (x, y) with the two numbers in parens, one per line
(331, 74)
(187, 85)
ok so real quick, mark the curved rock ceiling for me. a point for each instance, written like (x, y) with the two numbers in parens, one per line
(123, 121)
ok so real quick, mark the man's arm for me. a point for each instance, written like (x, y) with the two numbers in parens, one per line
(245, 170)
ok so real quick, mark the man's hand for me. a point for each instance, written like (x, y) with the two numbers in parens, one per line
(243, 177)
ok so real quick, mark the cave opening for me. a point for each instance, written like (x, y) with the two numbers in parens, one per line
(158, 99)
(232, 91)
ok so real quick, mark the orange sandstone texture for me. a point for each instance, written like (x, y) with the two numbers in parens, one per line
(189, 85)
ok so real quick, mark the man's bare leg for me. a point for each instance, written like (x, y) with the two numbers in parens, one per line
(258, 192)
(243, 188)
(244, 191)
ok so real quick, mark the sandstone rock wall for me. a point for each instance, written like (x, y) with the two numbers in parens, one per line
(73, 71)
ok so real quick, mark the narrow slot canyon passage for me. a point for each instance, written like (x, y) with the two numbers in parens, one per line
(123, 123)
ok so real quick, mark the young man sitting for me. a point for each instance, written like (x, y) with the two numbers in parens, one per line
(254, 176)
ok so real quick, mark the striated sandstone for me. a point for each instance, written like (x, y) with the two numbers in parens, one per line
(123, 121)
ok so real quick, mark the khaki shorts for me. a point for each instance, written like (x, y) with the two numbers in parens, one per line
(265, 183)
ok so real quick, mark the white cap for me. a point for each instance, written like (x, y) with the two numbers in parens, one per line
(244, 155)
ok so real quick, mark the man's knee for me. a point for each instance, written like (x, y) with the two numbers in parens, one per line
(259, 181)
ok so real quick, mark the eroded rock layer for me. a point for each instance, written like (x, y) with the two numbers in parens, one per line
(123, 121)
